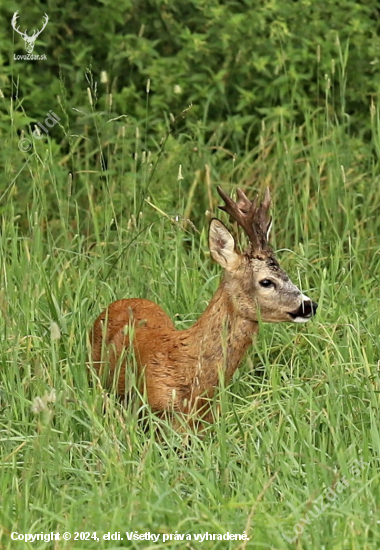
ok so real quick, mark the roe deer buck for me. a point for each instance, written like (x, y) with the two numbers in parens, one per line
(180, 369)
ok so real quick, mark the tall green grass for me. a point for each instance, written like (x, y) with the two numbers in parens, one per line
(301, 408)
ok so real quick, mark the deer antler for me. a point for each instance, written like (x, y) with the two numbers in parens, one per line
(36, 33)
(23, 34)
(14, 22)
(251, 217)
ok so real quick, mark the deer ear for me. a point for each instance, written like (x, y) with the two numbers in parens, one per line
(222, 246)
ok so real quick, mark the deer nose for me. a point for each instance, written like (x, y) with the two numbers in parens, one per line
(308, 309)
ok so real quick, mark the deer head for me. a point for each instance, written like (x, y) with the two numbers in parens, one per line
(256, 284)
(29, 40)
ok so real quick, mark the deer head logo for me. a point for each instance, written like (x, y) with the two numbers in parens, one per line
(29, 40)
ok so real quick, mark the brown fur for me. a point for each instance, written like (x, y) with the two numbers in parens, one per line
(220, 338)
(180, 369)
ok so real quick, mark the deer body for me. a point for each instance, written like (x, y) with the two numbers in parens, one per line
(180, 369)
(218, 339)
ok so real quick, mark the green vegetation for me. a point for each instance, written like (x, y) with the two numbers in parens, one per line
(112, 204)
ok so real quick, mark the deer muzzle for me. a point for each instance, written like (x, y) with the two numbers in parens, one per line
(306, 311)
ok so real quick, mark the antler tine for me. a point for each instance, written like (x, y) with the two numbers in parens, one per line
(14, 18)
(267, 199)
(263, 213)
(242, 212)
(244, 204)
(229, 202)
(45, 22)
(14, 23)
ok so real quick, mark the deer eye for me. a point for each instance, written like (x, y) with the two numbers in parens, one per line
(266, 283)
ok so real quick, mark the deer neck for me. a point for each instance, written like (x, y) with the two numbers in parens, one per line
(222, 335)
